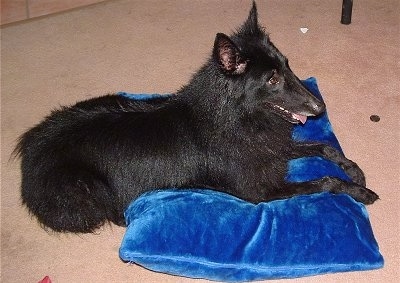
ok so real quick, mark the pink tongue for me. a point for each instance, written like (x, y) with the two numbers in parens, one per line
(301, 118)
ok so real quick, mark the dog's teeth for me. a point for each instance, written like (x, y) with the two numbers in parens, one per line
(301, 118)
(280, 108)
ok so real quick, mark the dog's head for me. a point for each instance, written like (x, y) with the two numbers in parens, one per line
(248, 58)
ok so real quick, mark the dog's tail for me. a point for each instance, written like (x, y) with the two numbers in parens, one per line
(61, 193)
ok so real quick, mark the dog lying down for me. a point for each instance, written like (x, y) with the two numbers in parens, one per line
(229, 129)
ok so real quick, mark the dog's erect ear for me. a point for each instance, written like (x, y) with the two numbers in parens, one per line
(228, 55)
(251, 27)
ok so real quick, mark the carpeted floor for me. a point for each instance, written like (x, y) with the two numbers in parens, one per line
(155, 46)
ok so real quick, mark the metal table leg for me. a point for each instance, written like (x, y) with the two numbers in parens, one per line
(347, 8)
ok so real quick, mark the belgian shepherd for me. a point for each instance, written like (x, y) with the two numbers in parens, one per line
(229, 129)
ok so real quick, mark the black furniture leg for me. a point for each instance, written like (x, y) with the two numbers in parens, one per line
(347, 8)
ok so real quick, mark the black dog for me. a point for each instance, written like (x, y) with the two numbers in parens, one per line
(229, 130)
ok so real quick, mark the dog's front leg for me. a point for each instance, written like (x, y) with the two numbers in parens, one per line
(334, 155)
(330, 184)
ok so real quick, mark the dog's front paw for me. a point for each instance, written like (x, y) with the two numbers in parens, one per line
(366, 196)
(354, 172)
(356, 191)
(350, 168)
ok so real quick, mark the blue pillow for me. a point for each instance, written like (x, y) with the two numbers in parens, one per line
(212, 235)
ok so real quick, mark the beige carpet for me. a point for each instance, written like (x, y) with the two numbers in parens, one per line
(155, 46)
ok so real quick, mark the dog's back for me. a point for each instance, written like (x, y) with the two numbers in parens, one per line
(84, 163)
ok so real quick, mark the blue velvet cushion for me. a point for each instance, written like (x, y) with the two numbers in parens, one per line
(207, 234)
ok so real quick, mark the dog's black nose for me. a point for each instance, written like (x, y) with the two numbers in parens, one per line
(316, 107)
(319, 107)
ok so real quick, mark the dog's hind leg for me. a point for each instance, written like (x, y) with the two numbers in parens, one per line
(68, 199)
(329, 184)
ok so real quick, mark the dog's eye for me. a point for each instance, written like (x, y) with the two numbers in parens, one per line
(274, 79)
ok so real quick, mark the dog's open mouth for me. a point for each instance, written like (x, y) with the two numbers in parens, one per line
(289, 116)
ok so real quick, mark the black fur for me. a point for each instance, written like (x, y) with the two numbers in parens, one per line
(226, 130)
